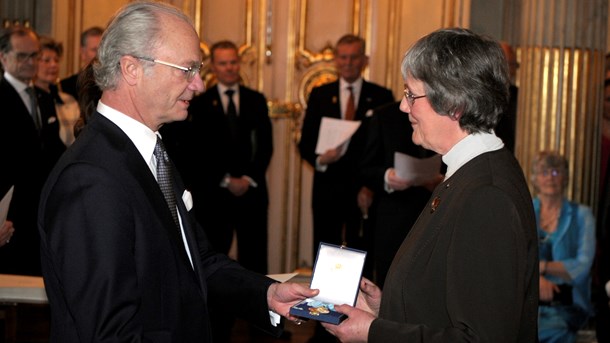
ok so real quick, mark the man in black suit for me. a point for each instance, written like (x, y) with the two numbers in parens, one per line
(89, 42)
(29, 135)
(124, 260)
(397, 202)
(339, 202)
(230, 122)
(234, 175)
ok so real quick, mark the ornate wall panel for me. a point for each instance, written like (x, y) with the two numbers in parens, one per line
(562, 51)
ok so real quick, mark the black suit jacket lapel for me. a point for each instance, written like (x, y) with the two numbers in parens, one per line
(142, 173)
(336, 100)
(190, 233)
(364, 101)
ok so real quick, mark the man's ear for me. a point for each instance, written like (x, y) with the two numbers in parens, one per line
(131, 69)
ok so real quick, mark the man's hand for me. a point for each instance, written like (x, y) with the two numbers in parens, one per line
(282, 296)
(238, 186)
(395, 182)
(330, 156)
(365, 199)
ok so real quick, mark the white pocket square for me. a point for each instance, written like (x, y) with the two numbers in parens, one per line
(188, 200)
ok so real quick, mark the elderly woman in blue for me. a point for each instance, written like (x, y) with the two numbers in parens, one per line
(566, 232)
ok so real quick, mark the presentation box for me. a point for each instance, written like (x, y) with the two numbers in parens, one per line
(337, 272)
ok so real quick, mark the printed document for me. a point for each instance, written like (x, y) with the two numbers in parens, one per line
(335, 132)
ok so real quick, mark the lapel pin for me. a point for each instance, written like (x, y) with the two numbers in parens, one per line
(435, 202)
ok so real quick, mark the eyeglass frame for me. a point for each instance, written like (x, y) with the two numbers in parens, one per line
(410, 97)
(553, 172)
(23, 56)
(190, 72)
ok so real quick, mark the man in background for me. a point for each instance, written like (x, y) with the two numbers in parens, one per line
(30, 144)
(398, 201)
(89, 42)
(340, 203)
(337, 211)
(226, 163)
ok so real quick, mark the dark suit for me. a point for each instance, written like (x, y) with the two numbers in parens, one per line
(27, 157)
(69, 85)
(394, 213)
(115, 267)
(334, 194)
(507, 126)
(210, 154)
(467, 271)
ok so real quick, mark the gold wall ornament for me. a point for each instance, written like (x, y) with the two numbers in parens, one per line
(562, 47)
(314, 77)
(559, 109)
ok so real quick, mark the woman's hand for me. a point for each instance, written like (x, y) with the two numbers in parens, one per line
(369, 297)
(355, 329)
(547, 289)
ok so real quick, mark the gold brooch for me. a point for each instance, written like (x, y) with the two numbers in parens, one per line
(435, 202)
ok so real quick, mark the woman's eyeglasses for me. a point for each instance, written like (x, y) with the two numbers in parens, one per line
(412, 97)
(550, 171)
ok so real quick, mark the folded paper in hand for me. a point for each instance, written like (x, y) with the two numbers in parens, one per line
(4, 205)
(417, 170)
(335, 132)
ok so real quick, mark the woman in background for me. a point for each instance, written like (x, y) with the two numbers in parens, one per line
(566, 233)
(468, 269)
(46, 80)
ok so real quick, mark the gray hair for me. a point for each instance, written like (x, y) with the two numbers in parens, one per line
(465, 76)
(134, 30)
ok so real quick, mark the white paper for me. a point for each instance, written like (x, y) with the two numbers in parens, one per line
(4, 205)
(416, 170)
(282, 277)
(337, 274)
(335, 132)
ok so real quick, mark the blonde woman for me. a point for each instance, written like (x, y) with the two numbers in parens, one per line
(566, 232)
(46, 79)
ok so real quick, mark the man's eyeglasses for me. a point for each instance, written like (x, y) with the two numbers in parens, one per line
(551, 171)
(189, 72)
(23, 56)
(412, 97)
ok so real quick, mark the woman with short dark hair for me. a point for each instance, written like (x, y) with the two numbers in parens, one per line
(468, 269)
